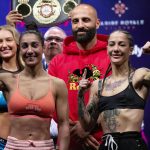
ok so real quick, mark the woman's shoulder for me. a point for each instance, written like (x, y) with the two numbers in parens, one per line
(140, 72)
(59, 85)
(139, 75)
(142, 69)
(56, 80)
(95, 84)
(6, 74)
(7, 79)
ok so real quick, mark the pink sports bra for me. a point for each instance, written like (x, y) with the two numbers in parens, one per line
(19, 105)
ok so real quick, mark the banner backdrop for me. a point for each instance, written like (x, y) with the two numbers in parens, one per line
(129, 15)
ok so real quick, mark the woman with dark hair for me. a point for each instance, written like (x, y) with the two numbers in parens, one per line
(32, 97)
(10, 61)
(118, 101)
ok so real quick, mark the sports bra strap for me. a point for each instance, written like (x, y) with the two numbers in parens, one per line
(131, 76)
(99, 87)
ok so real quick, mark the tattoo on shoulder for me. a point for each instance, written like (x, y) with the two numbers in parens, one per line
(110, 119)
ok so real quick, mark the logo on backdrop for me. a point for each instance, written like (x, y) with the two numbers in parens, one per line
(137, 51)
(120, 8)
(122, 22)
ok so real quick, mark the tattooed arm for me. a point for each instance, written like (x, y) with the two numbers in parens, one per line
(87, 115)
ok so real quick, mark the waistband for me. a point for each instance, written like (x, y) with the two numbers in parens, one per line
(30, 116)
(110, 138)
(129, 134)
(13, 143)
(3, 140)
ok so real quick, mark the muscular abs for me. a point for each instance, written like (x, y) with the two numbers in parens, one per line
(110, 120)
(121, 120)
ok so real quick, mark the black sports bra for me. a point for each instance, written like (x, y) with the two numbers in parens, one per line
(128, 98)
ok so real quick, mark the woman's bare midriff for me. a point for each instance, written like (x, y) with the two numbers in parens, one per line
(122, 120)
(30, 128)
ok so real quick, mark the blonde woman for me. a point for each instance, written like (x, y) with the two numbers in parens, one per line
(10, 61)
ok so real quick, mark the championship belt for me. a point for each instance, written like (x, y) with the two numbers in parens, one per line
(46, 11)
(68, 6)
(24, 8)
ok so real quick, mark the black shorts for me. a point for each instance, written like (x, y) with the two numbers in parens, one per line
(123, 141)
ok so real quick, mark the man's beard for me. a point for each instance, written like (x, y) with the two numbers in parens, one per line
(87, 37)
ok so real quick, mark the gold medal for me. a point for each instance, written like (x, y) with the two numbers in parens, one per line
(46, 11)
(24, 8)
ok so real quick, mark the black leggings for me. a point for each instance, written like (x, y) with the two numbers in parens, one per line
(123, 141)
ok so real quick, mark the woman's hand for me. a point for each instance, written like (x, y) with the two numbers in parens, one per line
(13, 17)
(146, 47)
(84, 83)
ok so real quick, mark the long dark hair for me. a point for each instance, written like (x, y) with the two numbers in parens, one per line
(16, 36)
